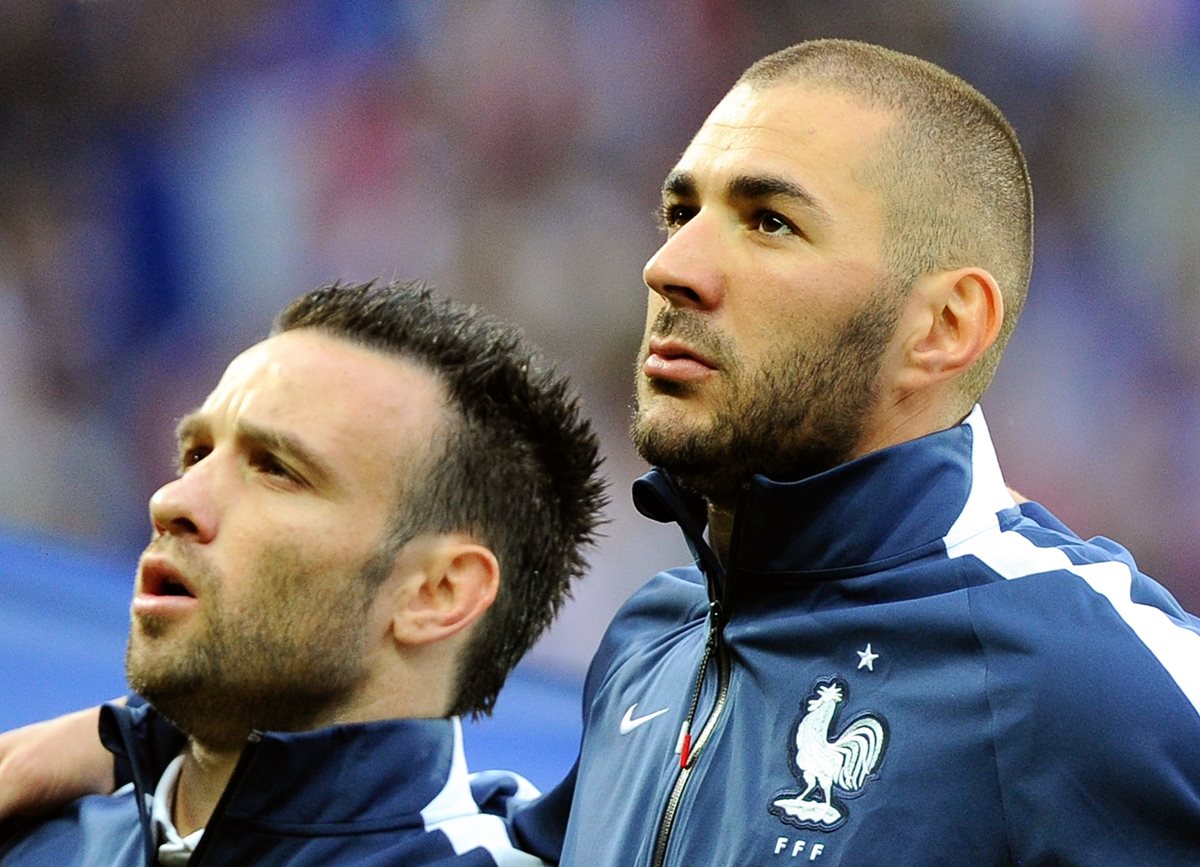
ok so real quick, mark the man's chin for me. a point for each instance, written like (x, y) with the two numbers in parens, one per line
(159, 684)
(660, 441)
(159, 670)
(683, 448)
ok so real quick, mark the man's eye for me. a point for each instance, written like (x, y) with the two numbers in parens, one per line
(267, 463)
(672, 216)
(271, 466)
(772, 224)
(192, 455)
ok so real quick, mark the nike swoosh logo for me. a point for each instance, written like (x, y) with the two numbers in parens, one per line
(629, 723)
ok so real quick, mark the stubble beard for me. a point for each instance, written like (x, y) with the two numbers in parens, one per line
(284, 664)
(800, 414)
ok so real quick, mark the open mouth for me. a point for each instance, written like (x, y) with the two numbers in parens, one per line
(173, 588)
(160, 580)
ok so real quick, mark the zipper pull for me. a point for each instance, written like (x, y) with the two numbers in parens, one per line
(683, 744)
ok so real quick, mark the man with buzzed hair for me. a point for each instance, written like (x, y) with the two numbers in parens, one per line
(880, 656)
(952, 179)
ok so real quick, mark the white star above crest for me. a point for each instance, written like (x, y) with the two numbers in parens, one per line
(866, 658)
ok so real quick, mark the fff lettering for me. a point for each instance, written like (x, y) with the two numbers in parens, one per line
(798, 848)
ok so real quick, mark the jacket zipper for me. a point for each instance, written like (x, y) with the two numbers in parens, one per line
(689, 750)
(239, 771)
(717, 576)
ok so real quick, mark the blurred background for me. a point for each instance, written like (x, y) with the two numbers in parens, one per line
(171, 173)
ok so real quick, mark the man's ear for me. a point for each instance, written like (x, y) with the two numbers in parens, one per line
(451, 581)
(951, 318)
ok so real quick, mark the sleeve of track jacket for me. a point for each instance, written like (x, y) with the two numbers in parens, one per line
(1093, 678)
(540, 826)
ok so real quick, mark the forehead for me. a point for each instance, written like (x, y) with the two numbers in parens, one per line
(354, 405)
(820, 137)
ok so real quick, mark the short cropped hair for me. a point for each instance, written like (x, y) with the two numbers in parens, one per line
(517, 466)
(954, 182)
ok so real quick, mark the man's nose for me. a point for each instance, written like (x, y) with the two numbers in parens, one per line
(688, 270)
(186, 507)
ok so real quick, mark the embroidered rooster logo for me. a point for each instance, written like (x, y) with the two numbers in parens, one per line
(825, 762)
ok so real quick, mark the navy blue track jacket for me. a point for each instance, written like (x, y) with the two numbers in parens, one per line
(376, 794)
(897, 666)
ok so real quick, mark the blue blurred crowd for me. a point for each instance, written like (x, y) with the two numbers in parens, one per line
(173, 172)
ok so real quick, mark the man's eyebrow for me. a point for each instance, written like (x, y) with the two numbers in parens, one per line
(679, 185)
(194, 426)
(286, 444)
(191, 427)
(771, 186)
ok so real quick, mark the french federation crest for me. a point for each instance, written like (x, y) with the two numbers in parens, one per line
(832, 765)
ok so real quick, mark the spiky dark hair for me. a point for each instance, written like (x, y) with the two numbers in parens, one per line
(519, 468)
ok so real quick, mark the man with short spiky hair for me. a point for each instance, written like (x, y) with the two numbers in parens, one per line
(378, 511)
(515, 464)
